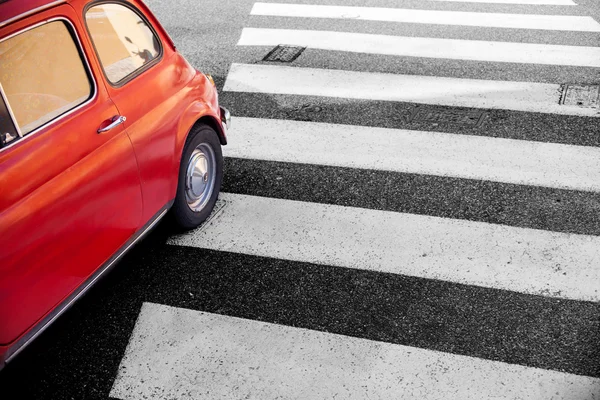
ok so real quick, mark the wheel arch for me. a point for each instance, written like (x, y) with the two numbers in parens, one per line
(213, 123)
(197, 113)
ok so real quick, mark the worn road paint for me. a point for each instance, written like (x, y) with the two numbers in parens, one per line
(444, 116)
(476, 253)
(491, 20)
(176, 353)
(458, 92)
(433, 153)
(474, 50)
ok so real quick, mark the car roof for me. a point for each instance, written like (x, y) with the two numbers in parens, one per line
(15, 9)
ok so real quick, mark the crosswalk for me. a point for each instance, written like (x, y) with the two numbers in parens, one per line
(530, 53)
(299, 363)
(454, 92)
(400, 257)
(433, 153)
(492, 20)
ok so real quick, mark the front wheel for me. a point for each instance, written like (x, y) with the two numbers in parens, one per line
(200, 177)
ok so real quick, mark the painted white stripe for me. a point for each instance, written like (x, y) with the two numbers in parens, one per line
(492, 20)
(425, 47)
(433, 153)
(476, 253)
(534, 2)
(176, 353)
(477, 93)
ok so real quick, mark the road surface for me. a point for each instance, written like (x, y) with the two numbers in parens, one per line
(410, 209)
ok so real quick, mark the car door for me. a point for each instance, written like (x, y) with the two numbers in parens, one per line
(145, 77)
(69, 182)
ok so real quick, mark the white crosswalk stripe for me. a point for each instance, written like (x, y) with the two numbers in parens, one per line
(492, 20)
(211, 354)
(178, 353)
(475, 50)
(529, 2)
(455, 92)
(432, 153)
(476, 253)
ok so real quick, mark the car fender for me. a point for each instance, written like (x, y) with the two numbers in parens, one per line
(197, 112)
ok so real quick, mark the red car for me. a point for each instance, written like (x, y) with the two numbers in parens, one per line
(104, 127)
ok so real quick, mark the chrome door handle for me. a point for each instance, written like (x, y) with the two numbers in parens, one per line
(116, 120)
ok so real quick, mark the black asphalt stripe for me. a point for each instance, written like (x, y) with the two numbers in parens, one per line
(492, 202)
(539, 127)
(486, 323)
(78, 357)
(441, 67)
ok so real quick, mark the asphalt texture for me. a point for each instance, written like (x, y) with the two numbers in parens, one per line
(78, 356)
(493, 202)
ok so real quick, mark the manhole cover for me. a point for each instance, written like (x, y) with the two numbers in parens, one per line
(474, 118)
(581, 95)
(283, 53)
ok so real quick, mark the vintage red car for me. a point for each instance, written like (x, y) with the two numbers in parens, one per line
(104, 127)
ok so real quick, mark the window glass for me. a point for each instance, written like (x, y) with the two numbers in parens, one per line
(42, 74)
(122, 39)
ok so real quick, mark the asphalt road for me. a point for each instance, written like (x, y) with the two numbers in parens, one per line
(79, 356)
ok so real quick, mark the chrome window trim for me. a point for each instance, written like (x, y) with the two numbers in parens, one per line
(86, 64)
(10, 111)
(31, 12)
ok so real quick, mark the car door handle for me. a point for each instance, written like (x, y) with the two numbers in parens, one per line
(116, 120)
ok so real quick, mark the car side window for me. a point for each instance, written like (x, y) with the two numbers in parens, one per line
(123, 40)
(42, 76)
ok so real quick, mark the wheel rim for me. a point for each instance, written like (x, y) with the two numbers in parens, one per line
(200, 177)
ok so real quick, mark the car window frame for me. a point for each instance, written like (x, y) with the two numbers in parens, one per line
(130, 77)
(86, 65)
(11, 115)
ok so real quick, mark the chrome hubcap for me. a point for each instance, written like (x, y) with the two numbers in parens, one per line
(200, 177)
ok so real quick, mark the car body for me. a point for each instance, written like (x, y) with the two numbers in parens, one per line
(104, 127)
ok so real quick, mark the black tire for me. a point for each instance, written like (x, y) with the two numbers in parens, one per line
(204, 137)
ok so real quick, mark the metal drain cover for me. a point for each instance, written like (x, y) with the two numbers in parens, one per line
(581, 95)
(284, 53)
